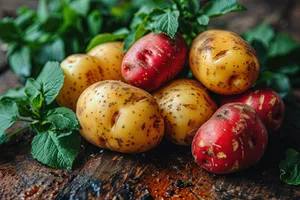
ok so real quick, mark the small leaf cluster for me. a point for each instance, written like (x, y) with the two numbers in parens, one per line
(186, 16)
(57, 141)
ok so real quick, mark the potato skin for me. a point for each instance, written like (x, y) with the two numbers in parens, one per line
(185, 105)
(154, 60)
(80, 71)
(266, 102)
(110, 56)
(117, 116)
(234, 138)
(223, 62)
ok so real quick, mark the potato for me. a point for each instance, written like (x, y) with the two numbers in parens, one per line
(185, 106)
(154, 60)
(117, 116)
(223, 62)
(234, 138)
(80, 72)
(110, 55)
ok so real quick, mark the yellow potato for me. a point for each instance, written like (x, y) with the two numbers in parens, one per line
(117, 116)
(110, 55)
(185, 105)
(80, 72)
(223, 62)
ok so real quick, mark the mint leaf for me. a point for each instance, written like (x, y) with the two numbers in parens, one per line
(9, 31)
(54, 150)
(290, 168)
(8, 115)
(103, 38)
(54, 51)
(42, 11)
(262, 33)
(51, 80)
(62, 119)
(19, 61)
(217, 8)
(203, 20)
(193, 6)
(94, 22)
(32, 88)
(164, 21)
(282, 45)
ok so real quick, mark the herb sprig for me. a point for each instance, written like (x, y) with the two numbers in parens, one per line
(57, 141)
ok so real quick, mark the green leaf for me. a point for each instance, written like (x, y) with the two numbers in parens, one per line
(16, 95)
(55, 150)
(134, 36)
(164, 21)
(103, 38)
(203, 20)
(193, 6)
(282, 45)
(94, 22)
(262, 33)
(12, 32)
(25, 19)
(263, 77)
(37, 102)
(62, 119)
(19, 61)
(42, 11)
(8, 115)
(292, 69)
(54, 51)
(281, 84)
(217, 8)
(32, 89)
(51, 80)
(290, 168)
(71, 18)
(81, 6)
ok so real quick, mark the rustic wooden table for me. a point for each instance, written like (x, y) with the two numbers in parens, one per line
(165, 172)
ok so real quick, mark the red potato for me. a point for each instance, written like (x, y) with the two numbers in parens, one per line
(154, 60)
(234, 138)
(267, 104)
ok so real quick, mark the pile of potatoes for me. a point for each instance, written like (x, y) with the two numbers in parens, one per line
(128, 103)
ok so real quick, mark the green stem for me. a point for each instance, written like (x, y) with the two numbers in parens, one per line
(25, 120)
(18, 131)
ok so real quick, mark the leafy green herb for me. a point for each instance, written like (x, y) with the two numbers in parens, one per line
(57, 143)
(220, 7)
(290, 168)
(165, 21)
(55, 150)
(8, 115)
(182, 15)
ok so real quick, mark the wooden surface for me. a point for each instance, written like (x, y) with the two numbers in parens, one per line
(165, 172)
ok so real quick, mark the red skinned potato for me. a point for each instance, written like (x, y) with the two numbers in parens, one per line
(154, 60)
(233, 139)
(267, 104)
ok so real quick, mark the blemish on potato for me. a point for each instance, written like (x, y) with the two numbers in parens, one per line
(221, 155)
(235, 144)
